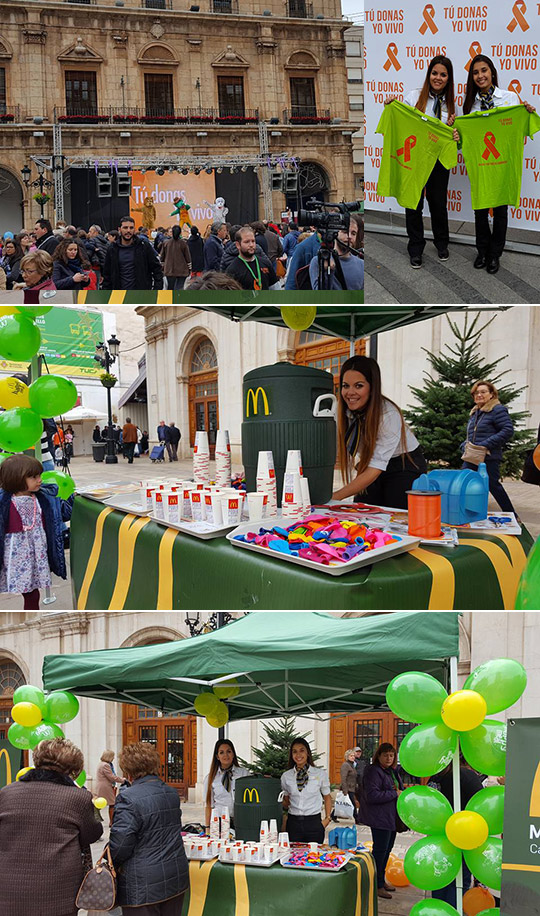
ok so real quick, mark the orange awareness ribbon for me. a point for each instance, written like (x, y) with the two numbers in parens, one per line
(409, 144)
(519, 9)
(475, 48)
(489, 140)
(515, 86)
(429, 22)
(392, 51)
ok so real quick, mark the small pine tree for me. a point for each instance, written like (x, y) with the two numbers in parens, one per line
(273, 758)
(440, 420)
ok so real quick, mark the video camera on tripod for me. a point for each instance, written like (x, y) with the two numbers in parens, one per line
(328, 219)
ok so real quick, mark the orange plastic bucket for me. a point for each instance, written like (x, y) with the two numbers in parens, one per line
(424, 513)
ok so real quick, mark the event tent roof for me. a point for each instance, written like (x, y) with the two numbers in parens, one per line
(297, 663)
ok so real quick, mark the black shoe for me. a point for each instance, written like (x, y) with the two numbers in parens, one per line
(493, 265)
(480, 262)
(416, 262)
(444, 255)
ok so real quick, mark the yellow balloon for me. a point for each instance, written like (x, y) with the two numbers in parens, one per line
(13, 393)
(467, 829)
(464, 710)
(227, 690)
(219, 716)
(99, 802)
(27, 714)
(22, 772)
(298, 317)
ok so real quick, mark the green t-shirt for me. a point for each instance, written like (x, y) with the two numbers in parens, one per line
(413, 142)
(492, 143)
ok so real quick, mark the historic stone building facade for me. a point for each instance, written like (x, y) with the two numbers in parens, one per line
(125, 78)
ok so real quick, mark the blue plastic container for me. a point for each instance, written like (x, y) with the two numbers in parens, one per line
(343, 837)
(464, 494)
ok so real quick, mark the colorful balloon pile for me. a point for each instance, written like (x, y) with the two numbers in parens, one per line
(37, 717)
(210, 703)
(445, 722)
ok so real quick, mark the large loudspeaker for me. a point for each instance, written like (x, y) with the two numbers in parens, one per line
(277, 180)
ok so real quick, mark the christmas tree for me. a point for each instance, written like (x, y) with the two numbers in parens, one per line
(273, 758)
(440, 419)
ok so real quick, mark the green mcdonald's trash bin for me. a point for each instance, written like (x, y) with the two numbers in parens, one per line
(291, 407)
(255, 800)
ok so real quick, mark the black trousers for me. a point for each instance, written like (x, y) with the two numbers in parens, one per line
(490, 242)
(176, 282)
(436, 191)
(170, 907)
(383, 843)
(493, 467)
(305, 829)
(129, 451)
(390, 488)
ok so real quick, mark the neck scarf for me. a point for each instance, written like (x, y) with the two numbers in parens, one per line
(486, 99)
(353, 434)
(227, 778)
(302, 777)
(437, 104)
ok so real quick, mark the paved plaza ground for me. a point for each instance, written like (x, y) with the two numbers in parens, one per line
(85, 471)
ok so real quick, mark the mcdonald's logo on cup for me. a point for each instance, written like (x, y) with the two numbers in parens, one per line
(475, 48)
(392, 51)
(429, 22)
(4, 754)
(519, 9)
(253, 398)
(252, 793)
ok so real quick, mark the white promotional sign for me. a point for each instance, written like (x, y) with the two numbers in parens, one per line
(400, 40)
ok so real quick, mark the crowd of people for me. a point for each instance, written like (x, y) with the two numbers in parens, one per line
(258, 256)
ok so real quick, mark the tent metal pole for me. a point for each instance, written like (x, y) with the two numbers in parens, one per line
(457, 784)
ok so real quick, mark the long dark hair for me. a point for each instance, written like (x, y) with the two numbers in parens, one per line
(18, 253)
(472, 89)
(216, 766)
(372, 416)
(449, 91)
(176, 232)
(60, 252)
(304, 743)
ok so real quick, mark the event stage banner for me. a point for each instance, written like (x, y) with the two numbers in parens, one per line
(11, 761)
(521, 838)
(68, 343)
(196, 190)
(402, 36)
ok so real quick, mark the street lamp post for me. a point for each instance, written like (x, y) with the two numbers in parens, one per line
(106, 356)
(40, 182)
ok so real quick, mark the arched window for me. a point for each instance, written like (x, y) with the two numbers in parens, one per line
(204, 357)
(11, 677)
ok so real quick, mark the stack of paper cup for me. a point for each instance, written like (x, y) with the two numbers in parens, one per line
(266, 480)
(294, 462)
(264, 833)
(214, 824)
(306, 495)
(225, 821)
(273, 832)
(292, 503)
(201, 458)
(223, 458)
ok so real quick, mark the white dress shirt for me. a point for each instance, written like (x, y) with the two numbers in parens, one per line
(501, 97)
(388, 444)
(220, 797)
(309, 800)
(412, 97)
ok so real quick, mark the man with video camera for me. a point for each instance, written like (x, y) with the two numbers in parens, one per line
(346, 269)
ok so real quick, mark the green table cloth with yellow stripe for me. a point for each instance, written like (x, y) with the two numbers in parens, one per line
(123, 562)
(240, 890)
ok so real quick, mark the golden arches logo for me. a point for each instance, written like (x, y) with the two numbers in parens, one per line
(534, 810)
(252, 793)
(4, 753)
(253, 398)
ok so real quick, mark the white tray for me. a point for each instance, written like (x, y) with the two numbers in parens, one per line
(107, 491)
(206, 858)
(196, 529)
(319, 868)
(372, 556)
(127, 502)
(277, 858)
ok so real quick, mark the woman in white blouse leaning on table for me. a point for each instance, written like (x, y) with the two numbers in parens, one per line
(220, 782)
(306, 787)
(374, 439)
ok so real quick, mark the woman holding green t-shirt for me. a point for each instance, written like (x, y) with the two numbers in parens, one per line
(483, 94)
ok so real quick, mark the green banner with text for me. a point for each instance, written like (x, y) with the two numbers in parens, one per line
(68, 343)
(520, 894)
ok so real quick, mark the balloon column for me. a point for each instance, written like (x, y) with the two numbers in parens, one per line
(445, 721)
(37, 717)
(528, 596)
(210, 703)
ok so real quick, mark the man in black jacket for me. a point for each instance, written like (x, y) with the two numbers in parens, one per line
(130, 262)
(45, 238)
(253, 271)
(96, 245)
(175, 436)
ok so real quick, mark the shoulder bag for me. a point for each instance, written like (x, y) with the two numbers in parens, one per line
(98, 890)
(474, 454)
(531, 468)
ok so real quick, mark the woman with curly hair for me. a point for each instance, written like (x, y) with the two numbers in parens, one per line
(71, 265)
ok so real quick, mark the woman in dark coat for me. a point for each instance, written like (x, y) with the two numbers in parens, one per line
(348, 780)
(196, 248)
(11, 262)
(46, 821)
(146, 840)
(71, 265)
(491, 427)
(382, 787)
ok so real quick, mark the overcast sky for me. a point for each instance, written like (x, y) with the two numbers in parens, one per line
(353, 9)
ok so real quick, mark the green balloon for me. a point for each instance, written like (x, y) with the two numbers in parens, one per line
(29, 694)
(45, 731)
(51, 395)
(427, 749)
(424, 809)
(33, 310)
(61, 706)
(432, 863)
(19, 338)
(20, 428)
(489, 803)
(65, 483)
(528, 596)
(431, 907)
(500, 681)
(81, 779)
(486, 862)
(20, 736)
(416, 697)
(484, 748)
(494, 911)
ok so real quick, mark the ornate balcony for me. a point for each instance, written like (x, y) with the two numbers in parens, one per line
(305, 114)
(125, 117)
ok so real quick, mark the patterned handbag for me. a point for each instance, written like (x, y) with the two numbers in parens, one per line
(98, 890)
